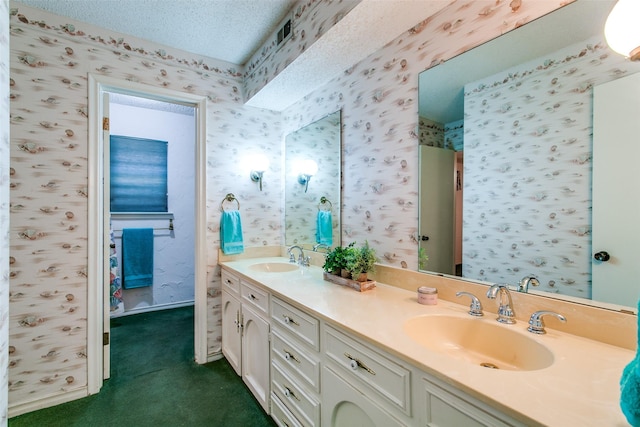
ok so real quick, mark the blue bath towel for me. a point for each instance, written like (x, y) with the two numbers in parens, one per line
(630, 386)
(137, 257)
(231, 233)
(324, 228)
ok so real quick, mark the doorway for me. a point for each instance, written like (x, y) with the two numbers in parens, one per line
(98, 351)
(152, 186)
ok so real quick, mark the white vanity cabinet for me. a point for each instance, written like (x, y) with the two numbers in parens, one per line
(362, 385)
(245, 333)
(295, 366)
(445, 406)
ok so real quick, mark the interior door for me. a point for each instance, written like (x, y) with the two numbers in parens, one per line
(106, 263)
(437, 208)
(616, 193)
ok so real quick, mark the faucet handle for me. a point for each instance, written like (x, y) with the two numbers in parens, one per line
(536, 324)
(475, 309)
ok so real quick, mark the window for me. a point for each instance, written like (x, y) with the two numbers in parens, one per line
(138, 174)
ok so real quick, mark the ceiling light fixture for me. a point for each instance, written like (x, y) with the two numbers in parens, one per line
(622, 30)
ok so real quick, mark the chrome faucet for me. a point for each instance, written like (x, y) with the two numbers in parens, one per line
(302, 260)
(523, 286)
(475, 309)
(536, 325)
(506, 314)
(320, 245)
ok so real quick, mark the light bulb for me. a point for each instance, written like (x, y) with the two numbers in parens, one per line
(622, 29)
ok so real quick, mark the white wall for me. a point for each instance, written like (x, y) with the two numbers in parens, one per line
(173, 275)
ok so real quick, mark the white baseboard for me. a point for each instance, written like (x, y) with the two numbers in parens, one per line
(151, 308)
(213, 357)
(46, 402)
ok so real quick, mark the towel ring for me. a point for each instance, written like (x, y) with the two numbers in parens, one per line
(324, 200)
(229, 198)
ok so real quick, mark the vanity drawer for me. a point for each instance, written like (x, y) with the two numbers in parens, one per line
(389, 379)
(295, 360)
(281, 415)
(295, 398)
(255, 297)
(298, 323)
(231, 283)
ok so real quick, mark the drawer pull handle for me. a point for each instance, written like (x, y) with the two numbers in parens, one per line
(229, 282)
(289, 356)
(284, 422)
(289, 393)
(288, 320)
(355, 364)
(252, 297)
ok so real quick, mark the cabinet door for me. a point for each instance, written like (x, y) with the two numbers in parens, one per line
(255, 355)
(345, 406)
(231, 331)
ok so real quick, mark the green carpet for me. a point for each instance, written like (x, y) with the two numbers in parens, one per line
(154, 382)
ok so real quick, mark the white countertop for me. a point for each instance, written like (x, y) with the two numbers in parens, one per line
(581, 387)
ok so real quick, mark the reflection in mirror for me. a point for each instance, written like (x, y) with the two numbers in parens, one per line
(523, 130)
(312, 204)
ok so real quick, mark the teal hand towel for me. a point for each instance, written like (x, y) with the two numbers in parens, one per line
(324, 228)
(231, 233)
(630, 386)
(137, 257)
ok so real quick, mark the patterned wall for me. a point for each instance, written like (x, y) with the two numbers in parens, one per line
(310, 21)
(4, 207)
(50, 59)
(527, 205)
(378, 98)
(319, 141)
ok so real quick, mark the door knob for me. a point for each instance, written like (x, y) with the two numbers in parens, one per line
(602, 256)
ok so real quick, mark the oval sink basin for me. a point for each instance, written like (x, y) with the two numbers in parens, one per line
(273, 267)
(479, 342)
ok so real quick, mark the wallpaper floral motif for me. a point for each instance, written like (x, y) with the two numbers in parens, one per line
(527, 204)
(4, 208)
(378, 98)
(50, 59)
(310, 21)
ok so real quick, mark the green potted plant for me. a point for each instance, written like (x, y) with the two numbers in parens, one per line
(334, 260)
(360, 261)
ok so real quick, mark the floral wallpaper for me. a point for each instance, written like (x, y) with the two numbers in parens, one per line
(4, 208)
(527, 204)
(378, 98)
(310, 21)
(50, 59)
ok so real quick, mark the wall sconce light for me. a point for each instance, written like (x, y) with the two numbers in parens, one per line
(622, 30)
(307, 168)
(259, 163)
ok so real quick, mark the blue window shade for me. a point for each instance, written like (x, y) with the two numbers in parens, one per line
(138, 174)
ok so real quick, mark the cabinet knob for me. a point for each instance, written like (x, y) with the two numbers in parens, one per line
(424, 238)
(602, 256)
(288, 320)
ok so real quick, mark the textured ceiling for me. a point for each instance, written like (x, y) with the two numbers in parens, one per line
(232, 30)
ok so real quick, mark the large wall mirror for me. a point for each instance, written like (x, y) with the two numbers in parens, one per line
(506, 152)
(312, 184)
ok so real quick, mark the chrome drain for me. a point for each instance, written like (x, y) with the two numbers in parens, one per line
(489, 365)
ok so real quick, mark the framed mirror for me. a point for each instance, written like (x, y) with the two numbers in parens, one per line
(313, 184)
(512, 123)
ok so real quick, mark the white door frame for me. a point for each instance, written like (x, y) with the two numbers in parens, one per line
(98, 244)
